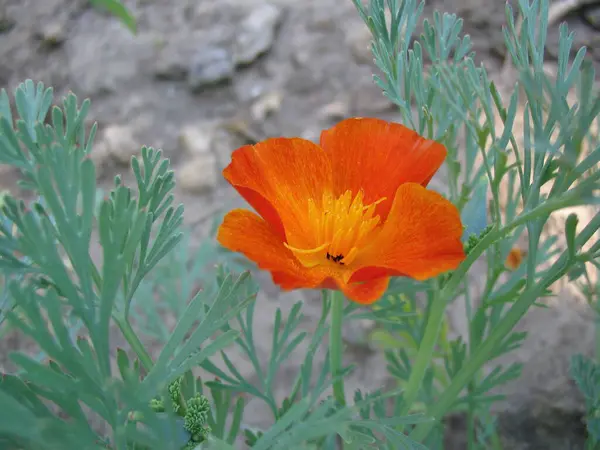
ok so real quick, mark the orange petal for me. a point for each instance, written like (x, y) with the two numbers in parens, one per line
(420, 238)
(514, 258)
(245, 232)
(365, 292)
(378, 156)
(277, 177)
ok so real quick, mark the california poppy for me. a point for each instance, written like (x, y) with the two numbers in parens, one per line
(514, 258)
(346, 214)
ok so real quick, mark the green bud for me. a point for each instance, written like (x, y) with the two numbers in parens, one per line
(475, 239)
(175, 393)
(196, 417)
(157, 405)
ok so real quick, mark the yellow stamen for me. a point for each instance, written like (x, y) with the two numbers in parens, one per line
(341, 227)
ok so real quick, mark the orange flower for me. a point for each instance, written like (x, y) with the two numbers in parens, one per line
(347, 214)
(514, 258)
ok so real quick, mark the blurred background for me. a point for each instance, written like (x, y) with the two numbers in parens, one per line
(203, 77)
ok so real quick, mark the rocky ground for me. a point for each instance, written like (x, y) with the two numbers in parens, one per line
(205, 76)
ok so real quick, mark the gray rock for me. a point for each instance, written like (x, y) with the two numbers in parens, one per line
(249, 86)
(256, 34)
(103, 55)
(6, 23)
(199, 175)
(303, 81)
(196, 140)
(170, 65)
(266, 105)
(210, 66)
(357, 334)
(369, 99)
(5, 168)
(223, 144)
(100, 157)
(52, 34)
(359, 39)
(334, 111)
(312, 133)
(121, 144)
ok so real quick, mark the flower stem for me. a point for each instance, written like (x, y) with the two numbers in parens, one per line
(501, 330)
(441, 298)
(134, 342)
(425, 354)
(335, 345)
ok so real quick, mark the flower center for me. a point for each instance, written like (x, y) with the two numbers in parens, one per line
(341, 225)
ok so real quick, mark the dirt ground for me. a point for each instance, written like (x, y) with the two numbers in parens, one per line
(204, 76)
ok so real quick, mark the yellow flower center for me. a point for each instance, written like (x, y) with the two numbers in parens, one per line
(341, 225)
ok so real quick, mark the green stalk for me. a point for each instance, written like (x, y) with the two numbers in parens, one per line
(134, 342)
(481, 355)
(126, 329)
(597, 334)
(471, 417)
(501, 330)
(335, 345)
(426, 348)
(436, 315)
(471, 420)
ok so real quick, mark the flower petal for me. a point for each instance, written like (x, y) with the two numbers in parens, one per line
(378, 156)
(245, 232)
(365, 292)
(420, 238)
(277, 177)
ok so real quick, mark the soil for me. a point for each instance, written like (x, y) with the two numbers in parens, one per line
(203, 77)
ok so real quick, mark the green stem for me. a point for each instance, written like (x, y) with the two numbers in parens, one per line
(597, 334)
(426, 348)
(436, 315)
(500, 332)
(471, 419)
(134, 341)
(481, 355)
(335, 345)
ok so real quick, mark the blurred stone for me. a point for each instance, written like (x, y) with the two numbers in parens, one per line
(593, 16)
(225, 141)
(4, 169)
(100, 157)
(359, 40)
(210, 66)
(266, 105)
(256, 34)
(196, 140)
(322, 23)
(335, 111)
(103, 55)
(303, 81)
(249, 86)
(198, 175)
(171, 65)
(6, 23)
(312, 134)
(357, 333)
(53, 34)
(121, 144)
(369, 99)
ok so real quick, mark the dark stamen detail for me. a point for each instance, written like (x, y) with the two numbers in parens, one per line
(335, 259)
